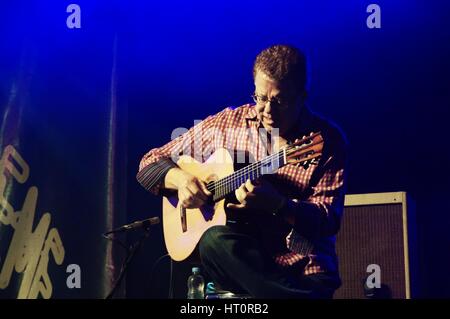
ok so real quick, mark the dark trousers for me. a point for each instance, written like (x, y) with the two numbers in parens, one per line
(235, 261)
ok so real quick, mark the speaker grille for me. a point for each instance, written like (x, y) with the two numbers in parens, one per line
(371, 234)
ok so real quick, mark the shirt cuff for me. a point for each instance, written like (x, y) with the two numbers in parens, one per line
(152, 175)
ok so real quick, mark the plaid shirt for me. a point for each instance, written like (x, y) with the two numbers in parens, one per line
(316, 194)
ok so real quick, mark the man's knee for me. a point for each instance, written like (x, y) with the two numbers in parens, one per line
(211, 240)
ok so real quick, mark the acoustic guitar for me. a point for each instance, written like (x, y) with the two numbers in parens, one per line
(183, 227)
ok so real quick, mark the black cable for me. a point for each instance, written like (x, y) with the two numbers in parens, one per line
(129, 255)
(131, 251)
(171, 280)
(170, 293)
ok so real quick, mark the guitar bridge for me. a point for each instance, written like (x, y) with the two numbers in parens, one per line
(183, 219)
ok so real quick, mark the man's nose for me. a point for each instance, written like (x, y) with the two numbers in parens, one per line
(268, 107)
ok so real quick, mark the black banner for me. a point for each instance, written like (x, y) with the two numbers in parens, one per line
(62, 167)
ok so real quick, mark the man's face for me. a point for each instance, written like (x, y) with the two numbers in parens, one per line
(276, 104)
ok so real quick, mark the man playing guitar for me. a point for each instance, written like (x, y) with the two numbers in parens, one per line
(267, 229)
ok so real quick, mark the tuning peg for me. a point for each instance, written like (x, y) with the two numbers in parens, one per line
(305, 165)
(315, 161)
(298, 165)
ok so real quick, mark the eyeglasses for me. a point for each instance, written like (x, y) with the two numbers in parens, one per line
(274, 101)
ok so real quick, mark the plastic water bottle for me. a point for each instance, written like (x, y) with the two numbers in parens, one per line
(196, 285)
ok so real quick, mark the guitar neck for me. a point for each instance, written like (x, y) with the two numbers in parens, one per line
(268, 165)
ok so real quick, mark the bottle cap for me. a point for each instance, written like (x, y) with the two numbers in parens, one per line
(195, 270)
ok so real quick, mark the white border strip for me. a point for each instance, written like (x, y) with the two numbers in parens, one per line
(374, 198)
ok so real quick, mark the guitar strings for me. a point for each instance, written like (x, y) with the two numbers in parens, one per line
(238, 173)
(247, 168)
(224, 185)
(227, 184)
(244, 170)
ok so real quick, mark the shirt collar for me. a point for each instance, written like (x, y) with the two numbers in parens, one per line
(251, 116)
(251, 112)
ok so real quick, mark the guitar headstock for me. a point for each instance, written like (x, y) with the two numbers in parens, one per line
(305, 151)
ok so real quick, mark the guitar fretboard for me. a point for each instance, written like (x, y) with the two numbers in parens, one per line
(229, 184)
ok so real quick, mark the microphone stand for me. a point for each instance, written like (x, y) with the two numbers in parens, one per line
(131, 252)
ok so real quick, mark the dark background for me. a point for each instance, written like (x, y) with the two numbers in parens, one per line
(388, 89)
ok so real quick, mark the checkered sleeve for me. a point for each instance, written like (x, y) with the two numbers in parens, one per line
(195, 142)
(319, 214)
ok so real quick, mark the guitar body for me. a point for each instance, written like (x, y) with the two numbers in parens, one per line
(183, 228)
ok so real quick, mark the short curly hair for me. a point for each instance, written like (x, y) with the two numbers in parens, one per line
(283, 63)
